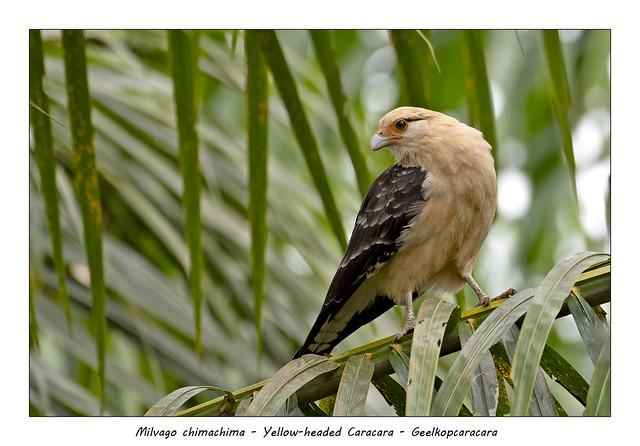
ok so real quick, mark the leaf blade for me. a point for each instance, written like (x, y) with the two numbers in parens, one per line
(413, 65)
(592, 330)
(183, 66)
(561, 98)
(302, 130)
(257, 109)
(392, 392)
(354, 386)
(86, 185)
(478, 88)
(542, 402)
(170, 403)
(425, 353)
(327, 59)
(485, 389)
(458, 380)
(546, 304)
(564, 374)
(286, 381)
(45, 159)
(400, 363)
(599, 397)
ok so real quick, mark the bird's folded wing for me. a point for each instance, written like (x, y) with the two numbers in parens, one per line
(394, 198)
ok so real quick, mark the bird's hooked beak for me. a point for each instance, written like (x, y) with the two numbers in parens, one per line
(378, 141)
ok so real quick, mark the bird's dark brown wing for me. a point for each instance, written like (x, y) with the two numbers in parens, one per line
(393, 200)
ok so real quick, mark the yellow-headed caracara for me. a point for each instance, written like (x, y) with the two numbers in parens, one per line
(419, 227)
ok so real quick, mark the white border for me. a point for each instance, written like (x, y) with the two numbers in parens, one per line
(17, 18)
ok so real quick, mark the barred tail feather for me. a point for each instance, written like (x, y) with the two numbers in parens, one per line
(329, 330)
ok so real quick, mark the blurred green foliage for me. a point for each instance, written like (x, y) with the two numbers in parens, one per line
(150, 314)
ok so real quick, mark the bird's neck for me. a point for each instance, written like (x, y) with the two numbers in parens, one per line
(463, 152)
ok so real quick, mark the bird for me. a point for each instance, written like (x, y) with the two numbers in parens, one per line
(419, 227)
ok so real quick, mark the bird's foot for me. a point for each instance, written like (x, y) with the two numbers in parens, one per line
(506, 294)
(484, 300)
(409, 325)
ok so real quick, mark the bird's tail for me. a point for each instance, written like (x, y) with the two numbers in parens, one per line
(303, 350)
(329, 329)
(310, 346)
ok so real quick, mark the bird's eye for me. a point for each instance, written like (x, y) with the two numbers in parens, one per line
(401, 124)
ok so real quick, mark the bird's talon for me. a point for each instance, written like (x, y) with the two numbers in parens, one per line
(399, 335)
(408, 328)
(505, 295)
(485, 300)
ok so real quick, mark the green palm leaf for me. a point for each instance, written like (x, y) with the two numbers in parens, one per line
(561, 98)
(599, 397)
(425, 352)
(183, 66)
(301, 128)
(485, 389)
(170, 404)
(413, 65)
(257, 109)
(462, 372)
(327, 59)
(86, 184)
(354, 386)
(286, 381)
(45, 157)
(544, 308)
(592, 330)
(400, 363)
(478, 88)
(542, 402)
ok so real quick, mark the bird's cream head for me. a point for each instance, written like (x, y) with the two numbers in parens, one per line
(417, 136)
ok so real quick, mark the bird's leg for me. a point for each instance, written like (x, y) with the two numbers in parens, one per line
(409, 318)
(483, 298)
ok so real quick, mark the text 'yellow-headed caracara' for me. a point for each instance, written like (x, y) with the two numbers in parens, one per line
(419, 227)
